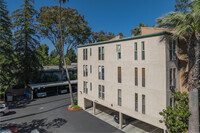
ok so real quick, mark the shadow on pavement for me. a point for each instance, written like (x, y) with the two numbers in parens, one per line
(40, 124)
(10, 113)
(35, 113)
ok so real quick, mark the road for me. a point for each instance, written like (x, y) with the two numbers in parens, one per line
(50, 115)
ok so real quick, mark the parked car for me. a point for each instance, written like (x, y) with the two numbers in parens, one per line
(63, 91)
(3, 109)
(4, 130)
(41, 92)
(126, 119)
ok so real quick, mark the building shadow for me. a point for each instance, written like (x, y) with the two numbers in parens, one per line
(41, 125)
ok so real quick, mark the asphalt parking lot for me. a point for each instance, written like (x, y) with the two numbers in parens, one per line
(50, 115)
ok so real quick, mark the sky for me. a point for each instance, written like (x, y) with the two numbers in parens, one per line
(109, 15)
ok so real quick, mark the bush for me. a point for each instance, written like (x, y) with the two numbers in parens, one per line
(176, 119)
(75, 107)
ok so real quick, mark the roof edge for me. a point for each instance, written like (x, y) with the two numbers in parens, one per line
(126, 39)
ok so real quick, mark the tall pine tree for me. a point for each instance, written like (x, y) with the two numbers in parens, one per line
(6, 49)
(26, 42)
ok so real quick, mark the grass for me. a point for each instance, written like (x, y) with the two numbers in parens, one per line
(75, 107)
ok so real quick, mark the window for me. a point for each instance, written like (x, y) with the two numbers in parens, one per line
(90, 68)
(101, 92)
(118, 52)
(143, 77)
(101, 53)
(85, 71)
(85, 89)
(143, 104)
(90, 51)
(135, 51)
(136, 76)
(90, 86)
(172, 77)
(101, 72)
(119, 97)
(136, 102)
(119, 75)
(84, 54)
(143, 51)
(172, 50)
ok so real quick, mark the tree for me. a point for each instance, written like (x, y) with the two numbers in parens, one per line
(43, 56)
(137, 30)
(100, 36)
(182, 5)
(26, 42)
(73, 26)
(7, 79)
(176, 118)
(53, 53)
(71, 55)
(187, 26)
(74, 30)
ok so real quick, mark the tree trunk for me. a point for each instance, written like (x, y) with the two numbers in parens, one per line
(61, 67)
(63, 56)
(194, 85)
(70, 87)
(194, 109)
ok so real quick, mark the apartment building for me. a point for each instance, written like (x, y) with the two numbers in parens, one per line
(133, 76)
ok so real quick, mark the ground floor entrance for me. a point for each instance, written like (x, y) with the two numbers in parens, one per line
(128, 124)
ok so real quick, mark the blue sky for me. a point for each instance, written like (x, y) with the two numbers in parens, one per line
(110, 15)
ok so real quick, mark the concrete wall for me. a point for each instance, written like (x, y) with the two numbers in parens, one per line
(156, 78)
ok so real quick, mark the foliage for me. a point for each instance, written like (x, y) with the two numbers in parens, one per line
(7, 79)
(74, 30)
(74, 27)
(43, 56)
(182, 5)
(187, 27)
(71, 55)
(176, 119)
(137, 30)
(50, 78)
(26, 41)
(75, 107)
(101, 36)
(53, 53)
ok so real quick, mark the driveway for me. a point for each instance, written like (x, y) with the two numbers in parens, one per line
(50, 115)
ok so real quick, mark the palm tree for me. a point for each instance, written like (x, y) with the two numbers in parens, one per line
(187, 26)
(62, 52)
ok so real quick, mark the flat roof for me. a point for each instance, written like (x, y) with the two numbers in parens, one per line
(51, 84)
(128, 38)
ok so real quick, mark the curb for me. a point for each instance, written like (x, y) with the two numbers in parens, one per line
(73, 109)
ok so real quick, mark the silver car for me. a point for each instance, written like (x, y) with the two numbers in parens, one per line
(3, 110)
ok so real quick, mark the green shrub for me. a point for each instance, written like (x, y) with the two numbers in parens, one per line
(176, 119)
(75, 107)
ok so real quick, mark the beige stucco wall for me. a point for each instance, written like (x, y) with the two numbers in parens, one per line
(156, 78)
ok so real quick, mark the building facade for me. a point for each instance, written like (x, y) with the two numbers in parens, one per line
(133, 76)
